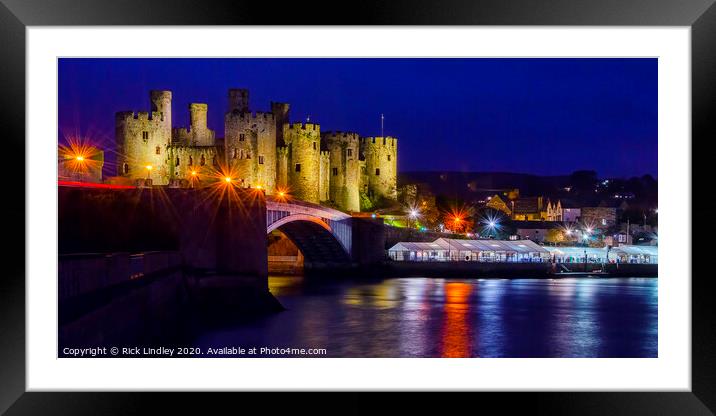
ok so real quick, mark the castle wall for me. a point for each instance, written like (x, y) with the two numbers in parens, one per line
(282, 167)
(381, 165)
(182, 161)
(344, 168)
(323, 183)
(304, 143)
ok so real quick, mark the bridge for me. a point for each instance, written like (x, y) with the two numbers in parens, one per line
(323, 235)
(224, 231)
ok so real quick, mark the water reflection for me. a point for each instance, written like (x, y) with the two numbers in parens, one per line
(456, 328)
(421, 317)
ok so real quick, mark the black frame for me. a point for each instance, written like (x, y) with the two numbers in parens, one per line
(15, 15)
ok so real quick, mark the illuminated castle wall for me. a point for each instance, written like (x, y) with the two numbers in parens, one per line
(260, 149)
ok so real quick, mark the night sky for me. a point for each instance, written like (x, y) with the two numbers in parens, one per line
(539, 116)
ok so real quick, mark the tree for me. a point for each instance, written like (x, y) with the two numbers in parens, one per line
(554, 236)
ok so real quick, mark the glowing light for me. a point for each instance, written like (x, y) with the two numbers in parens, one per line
(372, 215)
(281, 194)
(79, 158)
(193, 173)
(258, 186)
(149, 167)
(414, 213)
(589, 230)
(227, 179)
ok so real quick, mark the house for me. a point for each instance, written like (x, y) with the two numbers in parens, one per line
(535, 209)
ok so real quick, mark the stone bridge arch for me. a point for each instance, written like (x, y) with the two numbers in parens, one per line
(322, 234)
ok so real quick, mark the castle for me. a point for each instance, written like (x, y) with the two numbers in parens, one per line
(261, 150)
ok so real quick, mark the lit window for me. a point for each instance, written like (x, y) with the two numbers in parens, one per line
(604, 221)
(298, 167)
(377, 171)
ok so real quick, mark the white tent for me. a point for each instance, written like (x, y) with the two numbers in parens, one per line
(448, 249)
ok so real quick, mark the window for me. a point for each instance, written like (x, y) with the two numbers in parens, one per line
(125, 169)
(242, 137)
(335, 171)
(191, 161)
(385, 141)
(214, 161)
(349, 152)
(298, 167)
(388, 158)
(248, 155)
(236, 153)
(604, 221)
(377, 171)
(373, 140)
(158, 150)
(145, 136)
(203, 161)
(261, 160)
(176, 163)
(314, 145)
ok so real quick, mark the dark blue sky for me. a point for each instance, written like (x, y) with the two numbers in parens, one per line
(541, 116)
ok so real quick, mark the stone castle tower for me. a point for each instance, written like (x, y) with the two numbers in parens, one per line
(381, 166)
(250, 143)
(344, 169)
(259, 150)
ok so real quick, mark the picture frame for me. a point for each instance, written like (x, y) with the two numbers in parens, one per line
(16, 15)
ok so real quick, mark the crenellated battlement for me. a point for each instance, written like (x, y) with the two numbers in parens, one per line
(138, 115)
(258, 116)
(302, 126)
(282, 151)
(387, 141)
(341, 134)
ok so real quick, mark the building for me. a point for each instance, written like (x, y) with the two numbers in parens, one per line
(537, 231)
(599, 217)
(447, 249)
(261, 150)
(535, 209)
(571, 214)
(496, 203)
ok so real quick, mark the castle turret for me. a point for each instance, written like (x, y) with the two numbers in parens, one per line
(381, 165)
(238, 100)
(280, 113)
(344, 172)
(304, 143)
(162, 103)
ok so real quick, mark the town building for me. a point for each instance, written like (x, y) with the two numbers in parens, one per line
(535, 209)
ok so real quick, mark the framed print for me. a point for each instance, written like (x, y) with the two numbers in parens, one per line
(427, 197)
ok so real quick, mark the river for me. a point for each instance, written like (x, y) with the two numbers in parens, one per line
(428, 317)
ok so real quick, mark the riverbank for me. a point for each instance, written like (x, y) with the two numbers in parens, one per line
(485, 270)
